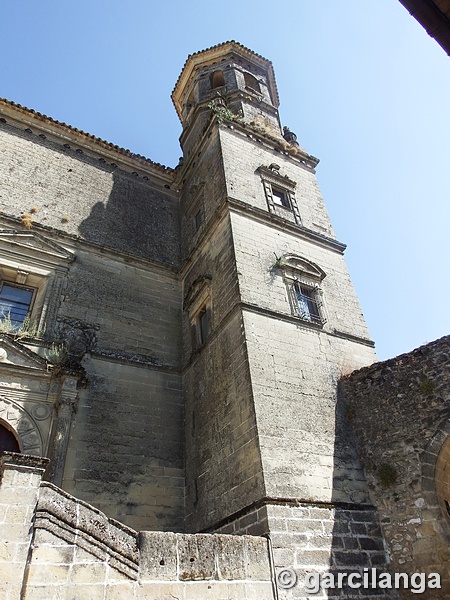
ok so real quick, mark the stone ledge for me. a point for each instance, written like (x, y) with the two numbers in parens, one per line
(199, 557)
(21, 462)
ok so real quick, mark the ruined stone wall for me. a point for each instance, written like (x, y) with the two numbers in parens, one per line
(399, 410)
(58, 546)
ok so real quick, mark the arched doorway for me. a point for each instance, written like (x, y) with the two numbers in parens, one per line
(8, 439)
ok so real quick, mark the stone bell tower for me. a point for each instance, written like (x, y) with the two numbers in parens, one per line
(271, 319)
(242, 83)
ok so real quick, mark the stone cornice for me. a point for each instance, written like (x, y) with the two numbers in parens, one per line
(254, 134)
(22, 462)
(34, 122)
(308, 325)
(273, 220)
(289, 502)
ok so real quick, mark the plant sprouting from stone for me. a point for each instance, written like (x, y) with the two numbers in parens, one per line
(26, 329)
(387, 475)
(427, 387)
(223, 113)
(57, 354)
(27, 220)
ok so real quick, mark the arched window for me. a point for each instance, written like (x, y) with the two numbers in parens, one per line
(252, 83)
(303, 279)
(217, 79)
(8, 441)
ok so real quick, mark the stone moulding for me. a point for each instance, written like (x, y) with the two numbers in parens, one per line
(22, 462)
(77, 522)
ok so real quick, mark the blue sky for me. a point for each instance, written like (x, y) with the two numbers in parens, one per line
(361, 83)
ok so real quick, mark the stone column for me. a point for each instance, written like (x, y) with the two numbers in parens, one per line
(65, 407)
(20, 476)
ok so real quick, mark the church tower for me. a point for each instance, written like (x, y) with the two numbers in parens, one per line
(197, 322)
(271, 319)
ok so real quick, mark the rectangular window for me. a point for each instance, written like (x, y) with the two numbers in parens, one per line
(307, 303)
(280, 198)
(15, 302)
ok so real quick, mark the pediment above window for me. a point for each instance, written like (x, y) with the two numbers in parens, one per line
(273, 175)
(197, 293)
(14, 354)
(297, 267)
(30, 246)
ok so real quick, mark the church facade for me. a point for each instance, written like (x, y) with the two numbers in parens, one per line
(170, 351)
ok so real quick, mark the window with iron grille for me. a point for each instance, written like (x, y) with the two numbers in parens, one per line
(307, 303)
(303, 280)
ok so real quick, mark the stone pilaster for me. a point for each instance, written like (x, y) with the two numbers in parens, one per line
(65, 408)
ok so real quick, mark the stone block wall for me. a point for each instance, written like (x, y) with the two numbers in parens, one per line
(20, 476)
(223, 467)
(126, 450)
(243, 154)
(120, 296)
(317, 539)
(294, 367)
(73, 191)
(400, 411)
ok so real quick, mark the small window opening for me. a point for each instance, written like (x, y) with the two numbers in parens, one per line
(251, 82)
(190, 101)
(217, 79)
(280, 197)
(198, 219)
(203, 321)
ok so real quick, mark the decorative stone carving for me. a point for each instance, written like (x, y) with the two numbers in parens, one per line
(79, 338)
(290, 136)
(24, 426)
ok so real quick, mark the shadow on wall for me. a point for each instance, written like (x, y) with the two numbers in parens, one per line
(399, 411)
(138, 219)
(357, 542)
